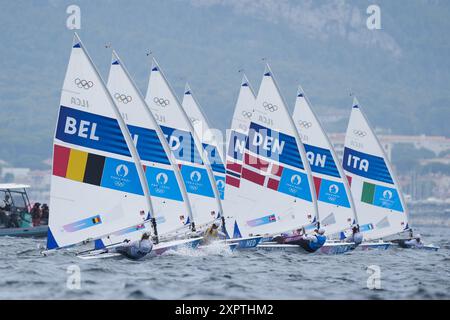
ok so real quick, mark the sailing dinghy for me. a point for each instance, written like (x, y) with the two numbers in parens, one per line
(382, 211)
(96, 182)
(198, 177)
(275, 159)
(275, 193)
(334, 198)
(97, 185)
(214, 151)
(235, 145)
(166, 187)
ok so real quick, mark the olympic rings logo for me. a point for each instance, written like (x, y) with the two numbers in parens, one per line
(161, 102)
(119, 184)
(85, 84)
(304, 124)
(269, 106)
(123, 98)
(247, 114)
(359, 133)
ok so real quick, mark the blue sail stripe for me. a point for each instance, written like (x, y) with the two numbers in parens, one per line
(186, 151)
(328, 167)
(214, 158)
(283, 149)
(368, 166)
(234, 137)
(108, 134)
(100, 133)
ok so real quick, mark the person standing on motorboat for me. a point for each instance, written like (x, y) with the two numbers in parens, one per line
(135, 250)
(10, 217)
(6, 204)
(5, 211)
(44, 214)
(356, 236)
(36, 214)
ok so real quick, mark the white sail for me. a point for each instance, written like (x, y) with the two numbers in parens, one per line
(185, 145)
(378, 199)
(236, 139)
(334, 200)
(97, 184)
(169, 198)
(276, 187)
(212, 144)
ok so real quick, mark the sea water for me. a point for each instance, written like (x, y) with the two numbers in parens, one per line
(219, 274)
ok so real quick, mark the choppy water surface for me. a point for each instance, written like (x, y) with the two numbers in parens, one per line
(415, 274)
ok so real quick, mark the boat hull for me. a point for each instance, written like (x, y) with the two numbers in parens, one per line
(336, 248)
(328, 248)
(428, 247)
(36, 232)
(157, 250)
(374, 246)
(245, 243)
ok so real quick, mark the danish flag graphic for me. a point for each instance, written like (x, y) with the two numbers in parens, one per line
(262, 172)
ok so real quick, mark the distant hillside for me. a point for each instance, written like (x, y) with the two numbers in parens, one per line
(401, 73)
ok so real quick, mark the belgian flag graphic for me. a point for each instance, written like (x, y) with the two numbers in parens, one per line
(96, 220)
(78, 165)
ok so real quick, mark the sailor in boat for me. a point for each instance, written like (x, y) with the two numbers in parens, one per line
(212, 234)
(135, 250)
(356, 236)
(310, 243)
(413, 243)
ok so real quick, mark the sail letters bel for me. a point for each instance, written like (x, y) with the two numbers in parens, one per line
(84, 129)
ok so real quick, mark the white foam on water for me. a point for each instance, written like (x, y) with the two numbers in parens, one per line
(215, 248)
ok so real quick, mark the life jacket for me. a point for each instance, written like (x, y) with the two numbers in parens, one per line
(319, 243)
(144, 250)
(358, 238)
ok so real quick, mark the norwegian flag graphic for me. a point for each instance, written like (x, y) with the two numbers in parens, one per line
(234, 158)
(233, 177)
